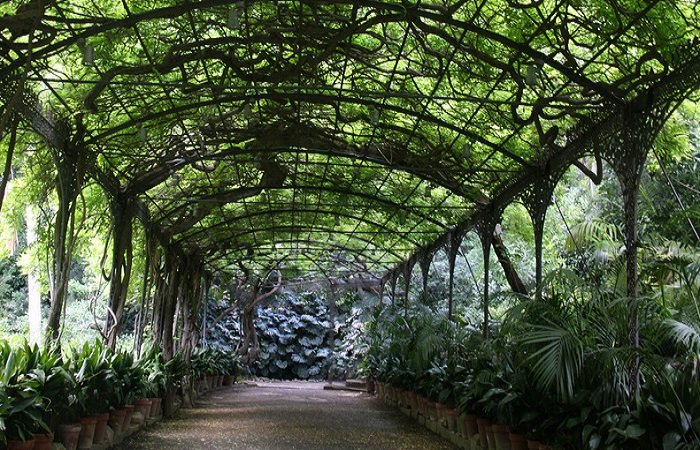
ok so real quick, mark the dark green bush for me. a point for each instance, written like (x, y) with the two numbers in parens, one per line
(294, 338)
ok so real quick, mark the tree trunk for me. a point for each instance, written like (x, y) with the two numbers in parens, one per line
(120, 275)
(169, 305)
(516, 284)
(250, 350)
(33, 286)
(70, 173)
(63, 242)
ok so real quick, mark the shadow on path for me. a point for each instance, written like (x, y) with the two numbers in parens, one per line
(286, 416)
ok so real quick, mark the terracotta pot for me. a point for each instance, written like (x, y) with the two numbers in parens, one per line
(228, 380)
(414, 401)
(21, 445)
(501, 436)
(127, 417)
(155, 406)
(406, 398)
(87, 432)
(101, 428)
(69, 434)
(143, 405)
(434, 411)
(483, 433)
(116, 420)
(439, 412)
(490, 438)
(401, 397)
(518, 442)
(471, 429)
(421, 405)
(428, 407)
(389, 393)
(451, 415)
(533, 445)
(43, 441)
(220, 380)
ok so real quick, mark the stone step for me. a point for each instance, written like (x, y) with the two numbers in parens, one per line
(361, 384)
(343, 387)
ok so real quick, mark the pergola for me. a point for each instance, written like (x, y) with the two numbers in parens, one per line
(329, 138)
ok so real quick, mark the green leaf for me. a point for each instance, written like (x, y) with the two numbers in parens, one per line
(9, 367)
(634, 431)
(594, 441)
(671, 440)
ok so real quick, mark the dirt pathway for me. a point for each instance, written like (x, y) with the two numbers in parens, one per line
(287, 416)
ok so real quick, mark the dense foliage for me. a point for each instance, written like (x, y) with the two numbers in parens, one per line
(152, 147)
(559, 369)
(295, 338)
(45, 388)
(299, 337)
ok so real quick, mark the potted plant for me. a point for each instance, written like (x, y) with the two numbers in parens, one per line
(176, 371)
(129, 377)
(24, 409)
(55, 386)
(120, 376)
(93, 376)
(231, 368)
(156, 377)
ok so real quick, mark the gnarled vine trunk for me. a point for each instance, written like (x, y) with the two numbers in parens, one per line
(249, 350)
(122, 261)
(70, 163)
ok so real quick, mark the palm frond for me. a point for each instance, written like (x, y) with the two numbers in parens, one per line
(557, 359)
(592, 233)
(685, 335)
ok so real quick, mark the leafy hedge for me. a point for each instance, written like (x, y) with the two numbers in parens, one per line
(557, 369)
(294, 338)
(297, 337)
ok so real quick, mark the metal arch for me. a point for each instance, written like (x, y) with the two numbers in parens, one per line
(583, 138)
(158, 176)
(424, 261)
(313, 261)
(485, 228)
(308, 98)
(536, 198)
(186, 8)
(317, 229)
(320, 245)
(510, 182)
(453, 244)
(391, 204)
(275, 212)
(406, 269)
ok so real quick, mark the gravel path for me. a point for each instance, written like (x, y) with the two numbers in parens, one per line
(286, 416)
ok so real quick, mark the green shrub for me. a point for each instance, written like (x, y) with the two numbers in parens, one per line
(294, 338)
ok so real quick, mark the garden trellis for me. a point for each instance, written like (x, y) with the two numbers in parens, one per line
(334, 137)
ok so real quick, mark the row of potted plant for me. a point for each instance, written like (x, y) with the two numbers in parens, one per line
(213, 367)
(477, 432)
(73, 395)
(556, 371)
